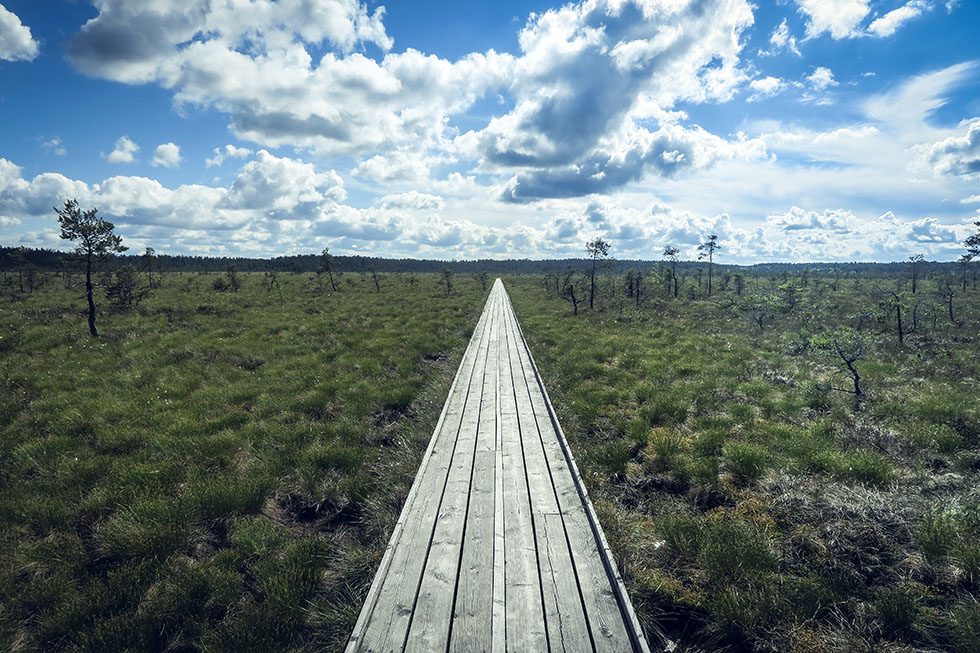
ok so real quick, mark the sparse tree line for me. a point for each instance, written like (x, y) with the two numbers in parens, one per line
(128, 280)
(779, 287)
(910, 296)
(909, 300)
(637, 282)
(12, 258)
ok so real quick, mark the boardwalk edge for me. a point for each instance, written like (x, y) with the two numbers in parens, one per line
(371, 599)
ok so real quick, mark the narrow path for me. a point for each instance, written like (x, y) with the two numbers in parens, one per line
(498, 547)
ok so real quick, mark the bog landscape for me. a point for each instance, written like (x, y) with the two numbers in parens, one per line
(606, 326)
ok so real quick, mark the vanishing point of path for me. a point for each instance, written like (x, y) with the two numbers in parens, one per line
(498, 547)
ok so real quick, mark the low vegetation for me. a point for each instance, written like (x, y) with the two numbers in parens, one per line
(783, 458)
(754, 500)
(222, 467)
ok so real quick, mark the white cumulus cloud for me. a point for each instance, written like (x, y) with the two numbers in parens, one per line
(167, 155)
(395, 165)
(222, 154)
(830, 221)
(124, 152)
(589, 80)
(279, 205)
(956, 155)
(627, 157)
(588, 76)
(253, 61)
(846, 18)
(16, 41)
(413, 200)
(286, 188)
(890, 23)
(764, 87)
(781, 40)
(140, 42)
(842, 235)
(821, 79)
(840, 18)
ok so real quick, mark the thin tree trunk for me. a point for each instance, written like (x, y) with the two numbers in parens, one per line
(592, 286)
(709, 274)
(89, 293)
(901, 332)
(858, 392)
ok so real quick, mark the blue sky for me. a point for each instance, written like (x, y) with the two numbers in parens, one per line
(797, 130)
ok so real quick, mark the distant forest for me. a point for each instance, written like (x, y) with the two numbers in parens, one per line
(13, 258)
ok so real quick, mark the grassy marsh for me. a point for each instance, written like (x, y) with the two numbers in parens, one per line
(221, 470)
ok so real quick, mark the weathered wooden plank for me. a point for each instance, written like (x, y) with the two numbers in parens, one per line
(472, 627)
(525, 618)
(568, 627)
(430, 622)
(566, 619)
(499, 616)
(384, 619)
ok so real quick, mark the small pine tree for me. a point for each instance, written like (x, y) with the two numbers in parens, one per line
(915, 262)
(148, 257)
(708, 249)
(598, 250)
(234, 281)
(96, 241)
(447, 279)
(972, 251)
(124, 290)
(671, 253)
(326, 267)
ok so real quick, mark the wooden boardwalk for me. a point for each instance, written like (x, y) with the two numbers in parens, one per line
(497, 547)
